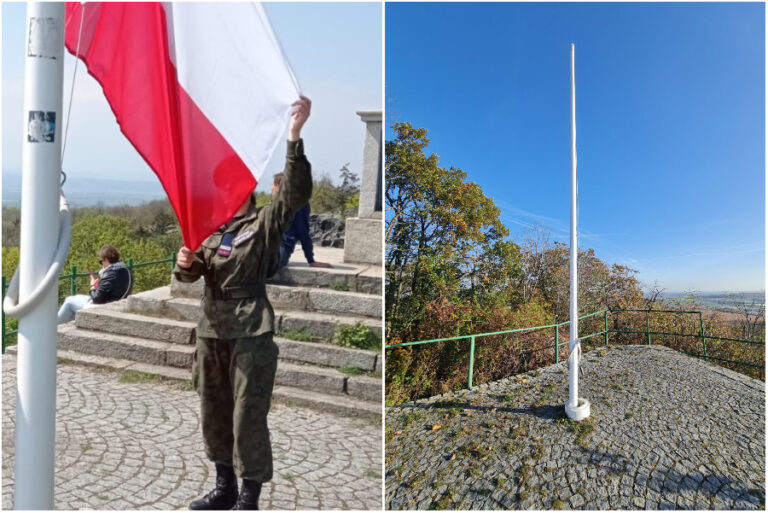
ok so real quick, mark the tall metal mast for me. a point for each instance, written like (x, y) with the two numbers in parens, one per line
(575, 408)
(40, 190)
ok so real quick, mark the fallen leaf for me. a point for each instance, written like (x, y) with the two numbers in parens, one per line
(537, 439)
(493, 410)
(435, 427)
(453, 457)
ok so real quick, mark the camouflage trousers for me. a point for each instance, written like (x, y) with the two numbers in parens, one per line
(234, 379)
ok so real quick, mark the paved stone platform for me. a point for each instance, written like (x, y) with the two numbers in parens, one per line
(138, 446)
(667, 431)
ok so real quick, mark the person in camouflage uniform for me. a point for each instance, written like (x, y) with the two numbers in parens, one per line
(236, 358)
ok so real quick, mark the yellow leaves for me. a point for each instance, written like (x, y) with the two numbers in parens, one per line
(435, 427)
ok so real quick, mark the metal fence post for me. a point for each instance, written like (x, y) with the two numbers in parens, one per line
(73, 281)
(173, 262)
(471, 359)
(606, 328)
(557, 343)
(701, 332)
(647, 328)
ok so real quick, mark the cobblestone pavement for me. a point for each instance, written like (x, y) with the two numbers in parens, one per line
(138, 446)
(667, 431)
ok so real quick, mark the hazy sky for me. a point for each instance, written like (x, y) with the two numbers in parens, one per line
(334, 49)
(670, 102)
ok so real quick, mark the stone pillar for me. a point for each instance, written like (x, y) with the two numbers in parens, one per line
(362, 238)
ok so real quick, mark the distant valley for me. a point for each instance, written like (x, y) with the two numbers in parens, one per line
(83, 192)
(729, 302)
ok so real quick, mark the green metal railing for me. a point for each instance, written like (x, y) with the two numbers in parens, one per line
(72, 277)
(606, 334)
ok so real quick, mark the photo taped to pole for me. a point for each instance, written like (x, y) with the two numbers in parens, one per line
(41, 127)
(45, 36)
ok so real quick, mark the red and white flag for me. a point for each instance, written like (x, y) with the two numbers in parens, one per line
(202, 91)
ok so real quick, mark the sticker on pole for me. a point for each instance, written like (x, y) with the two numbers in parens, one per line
(42, 126)
(45, 38)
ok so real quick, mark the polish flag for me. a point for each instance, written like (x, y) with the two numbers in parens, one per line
(202, 91)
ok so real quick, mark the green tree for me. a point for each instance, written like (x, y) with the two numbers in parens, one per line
(93, 231)
(443, 235)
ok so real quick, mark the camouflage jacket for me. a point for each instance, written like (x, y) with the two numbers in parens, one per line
(235, 303)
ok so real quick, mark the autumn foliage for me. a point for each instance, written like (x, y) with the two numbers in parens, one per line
(452, 271)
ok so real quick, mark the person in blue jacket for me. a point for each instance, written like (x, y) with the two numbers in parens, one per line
(298, 232)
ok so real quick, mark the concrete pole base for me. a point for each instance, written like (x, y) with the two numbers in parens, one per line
(580, 412)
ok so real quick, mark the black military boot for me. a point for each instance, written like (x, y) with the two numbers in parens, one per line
(224, 496)
(249, 495)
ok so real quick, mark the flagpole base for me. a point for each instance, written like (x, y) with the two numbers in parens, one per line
(580, 412)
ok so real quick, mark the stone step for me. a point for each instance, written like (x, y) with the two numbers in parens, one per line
(289, 297)
(284, 297)
(159, 303)
(327, 355)
(152, 352)
(341, 405)
(339, 278)
(124, 347)
(111, 319)
(117, 322)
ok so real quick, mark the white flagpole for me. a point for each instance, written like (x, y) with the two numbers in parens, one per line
(575, 408)
(41, 165)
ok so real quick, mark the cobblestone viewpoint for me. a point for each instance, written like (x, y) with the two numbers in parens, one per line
(667, 431)
(138, 446)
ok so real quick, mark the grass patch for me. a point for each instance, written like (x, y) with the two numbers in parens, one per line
(185, 385)
(474, 450)
(582, 430)
(301, 334)
(351, 370)
(523, 475)
(519, 431)
(356, 335)
(340, 286)
(628, 416)
(499, 481)
(443, 502)
(132, 376)
(372, 473)
(444, 404)
(558, 504)
(508, 397)
(410, 418)
(288, 477)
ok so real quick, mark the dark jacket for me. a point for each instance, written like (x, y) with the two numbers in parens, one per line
(234, 303)
(115, 283)
(299, 232)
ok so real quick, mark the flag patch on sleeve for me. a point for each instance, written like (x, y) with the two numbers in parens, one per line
(225, 248)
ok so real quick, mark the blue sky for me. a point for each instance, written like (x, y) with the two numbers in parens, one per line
(670, 105)
(335, 50)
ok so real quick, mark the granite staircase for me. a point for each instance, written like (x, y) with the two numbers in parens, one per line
(154, 332)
